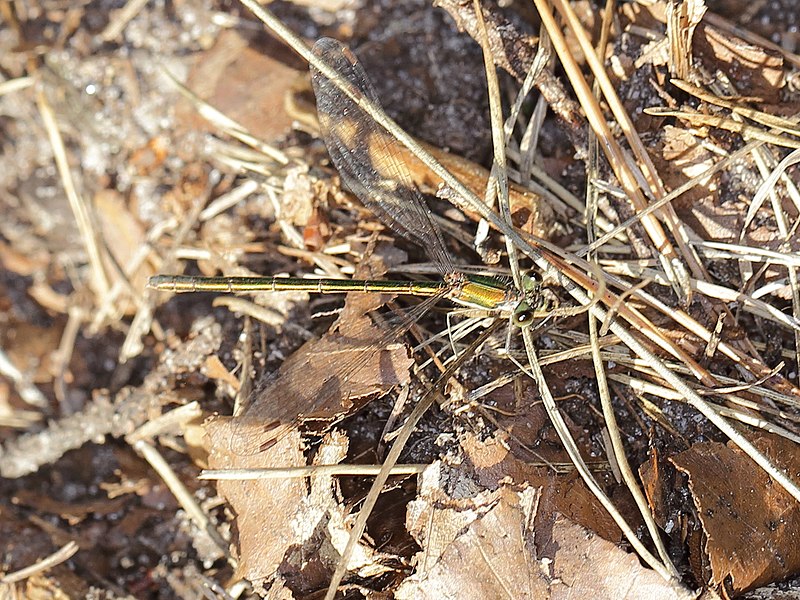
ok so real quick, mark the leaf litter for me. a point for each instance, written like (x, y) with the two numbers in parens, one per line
(511, 515)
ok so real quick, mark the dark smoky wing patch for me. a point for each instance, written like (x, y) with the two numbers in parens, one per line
(367, 157)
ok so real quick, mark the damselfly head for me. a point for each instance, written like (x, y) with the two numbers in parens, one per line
(537, 304)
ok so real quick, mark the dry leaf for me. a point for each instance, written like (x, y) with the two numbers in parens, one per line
(587, 566)
(325, 380)
(290, 528)
(684, 155)
(245, 84)
(755, 71)
(125, 237)
(494, 464)
(654, 485)
(31, 348)
(214, 369)
(491, 555)
(264, 508)
(488, 547)
(751, 524)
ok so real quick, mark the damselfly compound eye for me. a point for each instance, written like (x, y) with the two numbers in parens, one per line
(523, 314)
(531, 282)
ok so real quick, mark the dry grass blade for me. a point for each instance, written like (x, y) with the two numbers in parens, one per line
(748, 303)
(181, 493)
(121, 19)
(748, 132)
(771, 121)
(310, 471)
(399, 443)
(497, 186)
(788, 233)
(675, 194)
(672, 265)
(15, 85)
(617, 450)
(586, 474)
(80, 209)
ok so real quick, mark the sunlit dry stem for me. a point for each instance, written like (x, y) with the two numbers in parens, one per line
(766, 119)
(184, 497)
(393, 455)
(59, 556)
(617, 449)
(613, 151)
(648, 169)
(308, 471)
(80, 209)
(748, 132)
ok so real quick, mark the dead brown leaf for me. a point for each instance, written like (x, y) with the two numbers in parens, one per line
(245, 83)
(260, 506)
(587, 566)
(31, 348)
(682, 157)
(652, 476)
(214, 369)
(751, 523)
(493, 464)
(482, 547)
(292, 528)
(325, 380)
(756, 71)
(124, 236)
(491, 545)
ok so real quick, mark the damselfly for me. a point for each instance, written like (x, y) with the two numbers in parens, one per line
(368, 162)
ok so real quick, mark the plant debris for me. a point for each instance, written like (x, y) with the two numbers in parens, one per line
(636, 437)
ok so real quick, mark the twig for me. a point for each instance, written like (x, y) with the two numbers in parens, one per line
(15, 85)
(66, 552)
(63, 355)
(308, 471)
(182, 495)
(120, 19)
(131, 407)
(26, 389)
